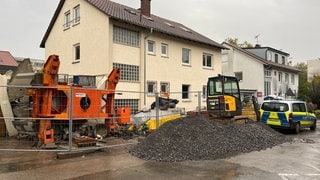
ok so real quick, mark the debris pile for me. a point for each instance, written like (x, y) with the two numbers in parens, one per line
(200, 138)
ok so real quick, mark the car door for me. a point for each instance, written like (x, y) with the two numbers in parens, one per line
(305, 120)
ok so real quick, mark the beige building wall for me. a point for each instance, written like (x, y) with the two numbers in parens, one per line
(93, 35)
(170, 69)
(98, 53)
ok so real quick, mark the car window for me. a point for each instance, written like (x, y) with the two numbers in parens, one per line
(275, 106)
(295, 107)
(302, 107)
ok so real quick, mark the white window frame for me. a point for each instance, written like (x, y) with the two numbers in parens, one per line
(151, 47)
(269, 55)
(76, 15)
(165, 87)
(185, 92)
(292, 79)
(186, 60)
(286, 77)
(205, 60)
(76, 52)
(280, 76)
(164, 50)
(151, 90)
(67, 20)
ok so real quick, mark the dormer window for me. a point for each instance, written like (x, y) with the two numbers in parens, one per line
(276, 58)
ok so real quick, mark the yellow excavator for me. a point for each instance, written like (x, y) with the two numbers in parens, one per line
(223, 97)
(224, 102)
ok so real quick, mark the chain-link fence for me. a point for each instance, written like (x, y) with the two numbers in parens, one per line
(71, 118)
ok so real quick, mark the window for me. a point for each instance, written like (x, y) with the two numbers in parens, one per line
(151, 87)
(276, 58)
(185, 91)
(151, 47)
(204, 91)
(67, 20)
(275, 106)
(280, 76)
(299, 107)
(267, 82)
(76, 13)
(292, 79)
(128, 72)
(283, 60)
(164, 50)
(238, 75)
(267, 73)
(207, 60)
(165, 87)
(269, 55)
(77, 52)
(125, 36)
(185, 56)
(286, 77)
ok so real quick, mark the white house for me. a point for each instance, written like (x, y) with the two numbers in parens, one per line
(260, 75)
(154, 54)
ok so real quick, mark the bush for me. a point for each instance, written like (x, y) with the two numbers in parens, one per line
(317, 112)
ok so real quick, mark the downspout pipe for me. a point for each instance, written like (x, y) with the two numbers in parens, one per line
(145, 67)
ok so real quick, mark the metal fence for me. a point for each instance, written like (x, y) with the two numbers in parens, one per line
(71, 118)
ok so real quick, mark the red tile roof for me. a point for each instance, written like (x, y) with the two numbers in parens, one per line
(130, 15)
(6, 59)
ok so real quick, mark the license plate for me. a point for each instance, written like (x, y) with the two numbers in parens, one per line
(274, 120)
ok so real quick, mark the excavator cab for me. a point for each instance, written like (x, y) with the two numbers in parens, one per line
(223, 96)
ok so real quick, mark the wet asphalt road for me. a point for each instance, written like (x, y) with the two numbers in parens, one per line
(297, 160)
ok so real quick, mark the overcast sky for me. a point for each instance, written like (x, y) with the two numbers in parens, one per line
(292, 26)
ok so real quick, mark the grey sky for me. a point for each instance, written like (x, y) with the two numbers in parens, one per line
(289, 25)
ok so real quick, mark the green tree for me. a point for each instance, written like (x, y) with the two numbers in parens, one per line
(234, 41)
(303, 91)
(314, 90)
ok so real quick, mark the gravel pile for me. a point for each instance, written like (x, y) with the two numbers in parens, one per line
(199, 138)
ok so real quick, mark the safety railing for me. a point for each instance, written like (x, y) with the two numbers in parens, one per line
(70, 118)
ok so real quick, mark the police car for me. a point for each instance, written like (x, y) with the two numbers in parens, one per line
(288, 114)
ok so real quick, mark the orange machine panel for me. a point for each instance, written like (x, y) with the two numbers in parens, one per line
(123, 114)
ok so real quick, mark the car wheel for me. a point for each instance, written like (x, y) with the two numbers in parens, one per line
(314, 126)
(297, 129)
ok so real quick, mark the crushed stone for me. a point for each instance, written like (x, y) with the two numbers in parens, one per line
(201, 138)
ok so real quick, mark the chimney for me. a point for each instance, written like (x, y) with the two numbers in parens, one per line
(145, 7)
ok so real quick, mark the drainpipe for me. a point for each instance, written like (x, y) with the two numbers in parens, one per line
(145, 67)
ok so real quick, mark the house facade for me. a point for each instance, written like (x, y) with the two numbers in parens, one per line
(313, 68)
(261, 74)
(154, 54)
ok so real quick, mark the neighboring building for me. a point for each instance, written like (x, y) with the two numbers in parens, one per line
(37, 64)
(260, 76)
(154, 54)
(7, 62)
(313, 68)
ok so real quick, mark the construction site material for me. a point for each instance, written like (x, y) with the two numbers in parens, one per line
(6, 106)
(201, 138)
